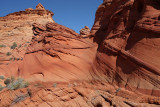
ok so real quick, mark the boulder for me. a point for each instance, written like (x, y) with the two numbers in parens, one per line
(84, 32)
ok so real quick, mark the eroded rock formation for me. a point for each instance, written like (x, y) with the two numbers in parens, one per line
(128, 38)
(16, 32)
(84, 32)
(117, 66)
(77, 94)
(40, 7)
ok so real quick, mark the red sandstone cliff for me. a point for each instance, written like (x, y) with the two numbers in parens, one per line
(16, 30)
(128, 38)
(116, 66)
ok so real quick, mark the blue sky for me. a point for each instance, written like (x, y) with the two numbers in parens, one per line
(74, 14)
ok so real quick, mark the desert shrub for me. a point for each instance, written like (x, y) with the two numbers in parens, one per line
(10, 59)
(1, 87)
(16, 84)
(117, 90)
(9, 80)
(18, 58)
(14, 58)
(14, 45)
(2, 77)
(13, 84)
(1, 46)
(25, 45)
(8, 53)
(54, 85)
(20, 46)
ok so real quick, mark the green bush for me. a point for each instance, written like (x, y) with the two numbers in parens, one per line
(1, 87)
(8, 53)
(14, 59)
(18, 59)
(13, 84)
(2, 77)
(20, 46)
(14, 45)
(1, 46)
(9, 80)
(18, 83)
(54, 85)
(10, 59)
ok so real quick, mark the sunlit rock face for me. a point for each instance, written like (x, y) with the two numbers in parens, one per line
(16, 32)
(85, 32)
(40, 7)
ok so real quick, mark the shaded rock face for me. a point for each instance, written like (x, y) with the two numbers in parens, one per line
(128, 32)
(16, 29)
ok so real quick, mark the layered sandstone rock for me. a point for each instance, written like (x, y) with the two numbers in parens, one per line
(56, 53)
(16, 29)
(77, 94)
(84, 32)
(127, 32)
(114, 68)
(40, 7)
